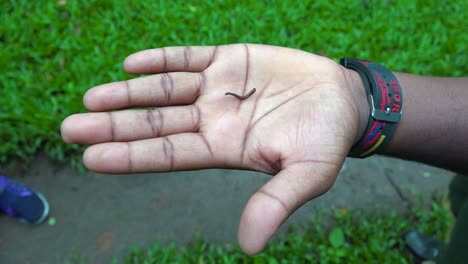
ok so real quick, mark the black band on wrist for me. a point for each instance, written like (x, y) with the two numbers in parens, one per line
(385, 99)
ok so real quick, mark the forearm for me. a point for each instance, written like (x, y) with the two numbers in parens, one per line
(434, 125)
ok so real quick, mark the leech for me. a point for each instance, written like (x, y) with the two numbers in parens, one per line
(242, 97)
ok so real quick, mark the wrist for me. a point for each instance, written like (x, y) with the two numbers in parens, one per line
(361, 103)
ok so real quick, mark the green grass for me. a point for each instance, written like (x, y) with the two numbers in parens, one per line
(51, 52)
(354, 237)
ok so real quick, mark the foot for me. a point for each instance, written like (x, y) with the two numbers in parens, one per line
(22, 203)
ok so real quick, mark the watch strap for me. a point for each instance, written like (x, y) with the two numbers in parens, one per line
(385, 98)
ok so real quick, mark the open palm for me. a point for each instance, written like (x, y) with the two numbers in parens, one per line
(298, 125)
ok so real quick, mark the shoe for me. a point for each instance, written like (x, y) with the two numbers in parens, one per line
(22, 203)
(422, 247)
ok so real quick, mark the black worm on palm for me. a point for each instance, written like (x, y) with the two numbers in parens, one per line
(242, 97)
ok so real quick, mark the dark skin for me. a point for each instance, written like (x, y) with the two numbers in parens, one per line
(299, 125)
(434, 126)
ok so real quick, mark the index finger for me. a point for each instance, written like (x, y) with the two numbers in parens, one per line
(170, 59)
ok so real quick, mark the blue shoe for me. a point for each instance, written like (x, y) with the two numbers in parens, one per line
(22, 203)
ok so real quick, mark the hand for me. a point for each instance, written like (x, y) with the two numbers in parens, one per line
(299, 125)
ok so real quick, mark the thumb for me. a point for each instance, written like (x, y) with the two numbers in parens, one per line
(272, 204)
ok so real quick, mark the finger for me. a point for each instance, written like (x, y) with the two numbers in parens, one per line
(268, 208)
(172, 153)
(154, 90)
(130, 125)
(169, 59)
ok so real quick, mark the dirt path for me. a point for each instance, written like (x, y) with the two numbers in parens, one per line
(98, 217)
